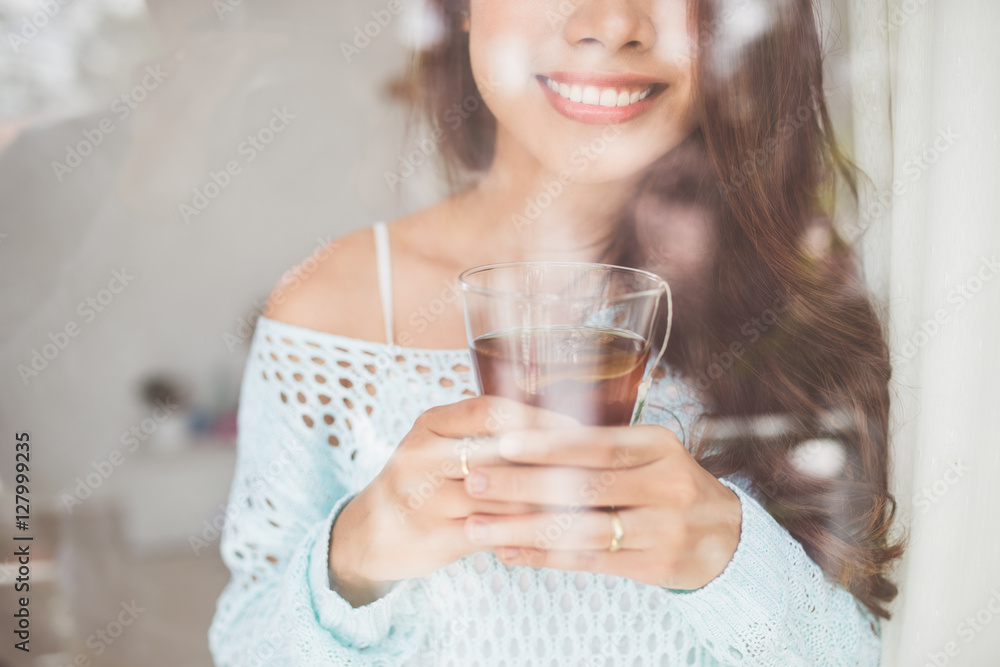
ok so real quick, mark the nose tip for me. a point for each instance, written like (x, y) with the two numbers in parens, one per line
(611, 24)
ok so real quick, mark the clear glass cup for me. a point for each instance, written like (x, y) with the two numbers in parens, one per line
(566, 336)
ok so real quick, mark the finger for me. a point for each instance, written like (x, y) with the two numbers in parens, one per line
(450, 500)
(560, 485)
(557, 531)
(611, 447)
(490, 415)
(624, 563)
(449, 538)
(458, 456)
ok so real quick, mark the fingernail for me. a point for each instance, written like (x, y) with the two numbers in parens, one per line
(565, 421)
(510, 445)
(509, 553)
(476, 531)
(476, 482)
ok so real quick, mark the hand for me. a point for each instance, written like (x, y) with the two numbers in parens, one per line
(410, 520)
(681, 525)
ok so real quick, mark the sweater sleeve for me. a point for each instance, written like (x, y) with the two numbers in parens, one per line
(772, 605)
(290, 483)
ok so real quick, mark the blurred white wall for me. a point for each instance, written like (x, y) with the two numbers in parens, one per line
(943, 278)
(192, 281)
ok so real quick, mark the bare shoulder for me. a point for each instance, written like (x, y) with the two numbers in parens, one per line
(335, 290)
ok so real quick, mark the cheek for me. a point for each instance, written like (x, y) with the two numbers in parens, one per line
(675, 42)
(501, 35)
(502, 66)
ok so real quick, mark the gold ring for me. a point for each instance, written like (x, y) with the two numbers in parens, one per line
(465, 462)
(617, 531)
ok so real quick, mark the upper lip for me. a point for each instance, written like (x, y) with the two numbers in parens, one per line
(606, 79)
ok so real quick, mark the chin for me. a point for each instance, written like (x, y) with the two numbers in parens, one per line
(623, 162)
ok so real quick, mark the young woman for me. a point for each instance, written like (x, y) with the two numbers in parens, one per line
(688, 137)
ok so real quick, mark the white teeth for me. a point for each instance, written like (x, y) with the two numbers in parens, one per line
(594, 96)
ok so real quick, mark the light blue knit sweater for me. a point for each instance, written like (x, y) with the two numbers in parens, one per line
(319, 416)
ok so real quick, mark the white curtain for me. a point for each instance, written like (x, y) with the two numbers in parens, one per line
(926, 102)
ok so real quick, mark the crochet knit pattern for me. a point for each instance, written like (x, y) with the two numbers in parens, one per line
(320, 415)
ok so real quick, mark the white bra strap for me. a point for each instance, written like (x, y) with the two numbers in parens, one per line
(384, 262)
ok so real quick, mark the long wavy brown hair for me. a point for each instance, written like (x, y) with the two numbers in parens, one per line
(774, 328)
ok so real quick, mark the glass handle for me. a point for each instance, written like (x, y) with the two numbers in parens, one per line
(642, 395)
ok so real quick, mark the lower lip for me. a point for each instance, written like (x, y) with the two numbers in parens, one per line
(596, 115)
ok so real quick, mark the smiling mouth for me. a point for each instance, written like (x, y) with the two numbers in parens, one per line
(601, 96)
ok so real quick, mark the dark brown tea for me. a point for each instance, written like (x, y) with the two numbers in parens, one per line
(590, 374)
